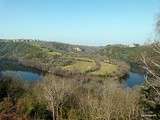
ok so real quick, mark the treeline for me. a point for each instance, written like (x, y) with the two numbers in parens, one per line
(73, 99)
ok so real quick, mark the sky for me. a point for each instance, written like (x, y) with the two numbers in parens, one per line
(84, 22)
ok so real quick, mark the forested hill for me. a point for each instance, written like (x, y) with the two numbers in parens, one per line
(41, 49)
(35, 48)
(20, 49)
(63, 47)
(124, 52)
(56, 46)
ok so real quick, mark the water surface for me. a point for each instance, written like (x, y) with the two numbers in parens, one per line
(17, 71)
(21, 75)
(13, 69)
(134, 79)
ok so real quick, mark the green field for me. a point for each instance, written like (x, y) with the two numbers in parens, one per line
(79, 59)
(81, 66)
(105, 69)
(47, 51)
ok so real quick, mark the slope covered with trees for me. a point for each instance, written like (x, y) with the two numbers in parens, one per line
(75, 86)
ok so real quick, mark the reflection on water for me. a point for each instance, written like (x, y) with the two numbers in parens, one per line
(134, 79)
(10, 68)
(21, 75)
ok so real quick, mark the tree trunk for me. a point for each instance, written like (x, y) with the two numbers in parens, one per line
(53, 112)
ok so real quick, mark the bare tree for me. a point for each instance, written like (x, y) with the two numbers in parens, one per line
(53, 90)
(151, 89)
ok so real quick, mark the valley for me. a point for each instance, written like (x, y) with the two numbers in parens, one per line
(52, 60)
(35, 70)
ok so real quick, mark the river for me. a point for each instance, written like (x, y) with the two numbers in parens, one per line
(12, 69)
(134, 79)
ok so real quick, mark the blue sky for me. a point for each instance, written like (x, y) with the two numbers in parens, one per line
(87, 22)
